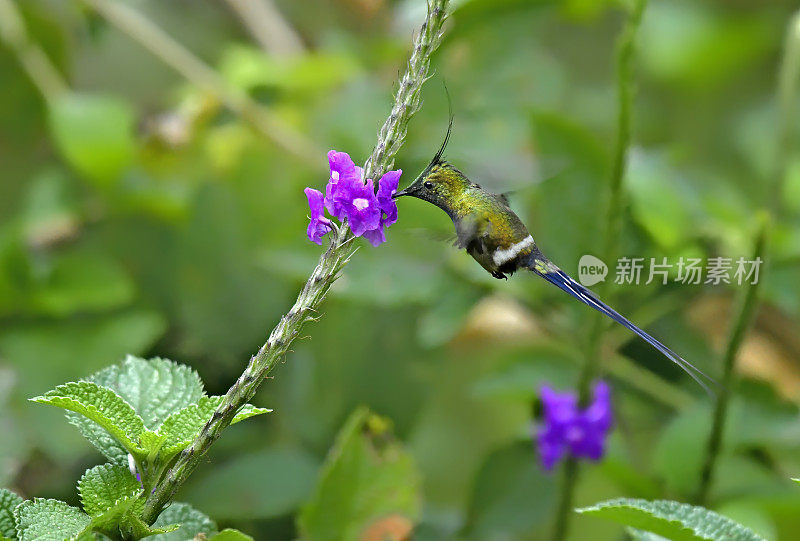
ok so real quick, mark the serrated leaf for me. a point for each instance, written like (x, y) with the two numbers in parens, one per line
(49, 520)
(109, 521)
(639, 535)
(101, 405)
(229, 534)
(191, 521)
(135, 527)
(155, 388)
(99, 437)
(367, 477)
(180, 428)
(8, 501)
(673, 520)
(102, 487)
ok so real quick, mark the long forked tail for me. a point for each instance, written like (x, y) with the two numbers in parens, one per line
(550, 272)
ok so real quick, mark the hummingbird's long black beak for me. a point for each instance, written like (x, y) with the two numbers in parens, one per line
(410, 190)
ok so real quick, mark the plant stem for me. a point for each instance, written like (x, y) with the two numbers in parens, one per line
(391, 135)
(569, 475)
(788, 77)
(613, 219)
(613, 224)
(744, 317)
(179, 58)
(786, 95)
(33, 59)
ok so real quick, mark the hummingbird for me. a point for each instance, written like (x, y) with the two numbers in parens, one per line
(498, 240)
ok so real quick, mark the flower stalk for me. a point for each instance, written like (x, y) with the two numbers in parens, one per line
(747, 305)
(390, 138)
(613, 224)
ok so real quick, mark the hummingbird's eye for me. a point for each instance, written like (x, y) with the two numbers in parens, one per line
(428, 184)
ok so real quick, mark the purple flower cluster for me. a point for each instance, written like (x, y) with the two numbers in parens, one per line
(349, 197)
(568, 430)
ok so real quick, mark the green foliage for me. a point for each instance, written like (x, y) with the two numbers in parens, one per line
(102, 406)
(8, 502)
(101, 488)
(155, 388)
(179, 429)
(192, 522)
(49, 520)
(151, 220)
(172, 399)
(177, 411)
(673, 520)
(366, 477)
(229, 534)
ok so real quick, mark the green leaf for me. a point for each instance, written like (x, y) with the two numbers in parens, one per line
(235, 490)
(639, 535)
(229, 534)
(673, 520)
(49, 520)
(94, 134)
(191, 521)
(100, 438)
(101, 405)
(155, 388)
(8, 501)
(103, 486)
(45, 354)
(133, 526)
(180, 428)
(110, 521)
(366, 478)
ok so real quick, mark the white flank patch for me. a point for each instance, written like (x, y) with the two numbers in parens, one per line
(507, 254)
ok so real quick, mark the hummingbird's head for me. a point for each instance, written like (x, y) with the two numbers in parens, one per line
(440, 182)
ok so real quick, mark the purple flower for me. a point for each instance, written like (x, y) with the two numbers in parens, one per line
(348, 197)
(387, 187)
(568, 430)
(344, 176)
(360, 206)
(375, 236)
(319, 225)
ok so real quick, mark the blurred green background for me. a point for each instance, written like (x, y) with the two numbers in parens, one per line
(139, 214)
